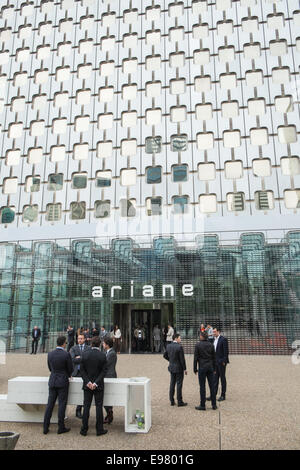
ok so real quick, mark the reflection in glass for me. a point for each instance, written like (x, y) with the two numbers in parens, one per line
(153, 144)
(55, 182)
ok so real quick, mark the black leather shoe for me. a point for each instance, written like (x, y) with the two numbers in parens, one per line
(45, 431)
(200, 408)
(221, 398)
(61, 431)
(100, 433)
(215, 407)
(182, 404)
(172, 403)
(83, 433)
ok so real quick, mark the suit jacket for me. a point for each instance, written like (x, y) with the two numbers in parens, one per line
(175, 355)
(93, 368)
(222, 350)
(61, 367)
(76, 351)
(38, 333)
(204, 356)
(111, 361)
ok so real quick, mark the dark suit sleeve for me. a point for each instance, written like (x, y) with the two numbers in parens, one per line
(226, 350)
(214, 358)
(182, 358)
(69, 365)
(73, 356)
(83, 370)
(48, 361)
(102, 374)
(196, 359)
(111, 361)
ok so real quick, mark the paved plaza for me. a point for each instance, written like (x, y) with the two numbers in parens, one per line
(262, 409)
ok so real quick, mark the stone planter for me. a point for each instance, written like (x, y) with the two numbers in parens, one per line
(8, 440)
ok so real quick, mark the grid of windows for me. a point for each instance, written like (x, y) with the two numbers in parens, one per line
(126, 106)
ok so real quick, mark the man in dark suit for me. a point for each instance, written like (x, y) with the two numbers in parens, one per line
(76, 353)
(35, 334)
(111, 361)
(60, 366)
(222, 351)
(71, 337)
(177, 368)
(93, 370)
(205, 365)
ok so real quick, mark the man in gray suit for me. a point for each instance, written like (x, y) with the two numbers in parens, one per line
(76, 353)
(111, 361)
(177, 368)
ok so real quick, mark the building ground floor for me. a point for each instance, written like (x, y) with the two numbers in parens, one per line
(249, 286)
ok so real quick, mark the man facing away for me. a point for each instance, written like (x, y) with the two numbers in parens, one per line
(156, 338)
(35, 334)
(111, 361)
(222, 351)
(177, 368)
(76, 353)
(60, 366)
(93, 370)
(205, 365)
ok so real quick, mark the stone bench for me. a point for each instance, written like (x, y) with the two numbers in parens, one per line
(27, 398)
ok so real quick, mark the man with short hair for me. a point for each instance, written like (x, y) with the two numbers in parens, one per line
(76, 353)
(35, 334)
(71, 337)
(111, 361)
(60, 366)
(205, 365)
(177, 368)
(222, 351)
(93, 370)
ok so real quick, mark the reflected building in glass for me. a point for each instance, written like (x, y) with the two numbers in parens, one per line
(150, 169)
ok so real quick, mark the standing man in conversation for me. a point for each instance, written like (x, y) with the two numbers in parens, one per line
(61, 368)
(222, 351)
(177, 368)
(111, 361)
(205, 365)
(76, 353)
(93, 370)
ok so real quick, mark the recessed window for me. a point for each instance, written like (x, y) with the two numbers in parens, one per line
(7, 215)
(30, 213)
(55, 182)
(153, 116)
(153, 144)
(235, 202)
(128, 147)
(128, 177)
(53, 212)
(208, 203)
(154, 206)
(179, 143)
(180, 204)
(261, 167)
(78, 210)
(57, 153)
(128, 207)
(234, 169)
(153, 174)
(290, 165)
(153, 89)
(206, 171)
(292, 198)
(102, 209)
(103, 178)
(81, 151)
(13, 157)
(104, 149)
(179, 173)
(79, 180)
(32, 184)
(10, 185)
(264, 200)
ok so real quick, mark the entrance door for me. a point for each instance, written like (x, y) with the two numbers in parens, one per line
(130, 316)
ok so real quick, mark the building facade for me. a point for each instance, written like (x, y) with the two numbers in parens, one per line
(150, 168)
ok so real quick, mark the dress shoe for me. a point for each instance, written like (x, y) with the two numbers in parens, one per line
(172, 403)
(200, 408)
(221, 398)
(83, 433)
(215, 407)
(45, 431)
(182, 404)
(61, 431)
(100, 433)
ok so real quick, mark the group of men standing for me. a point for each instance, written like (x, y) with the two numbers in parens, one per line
(90, 363)
(210, 361)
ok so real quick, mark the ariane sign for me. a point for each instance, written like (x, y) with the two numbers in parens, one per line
(147, 291)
